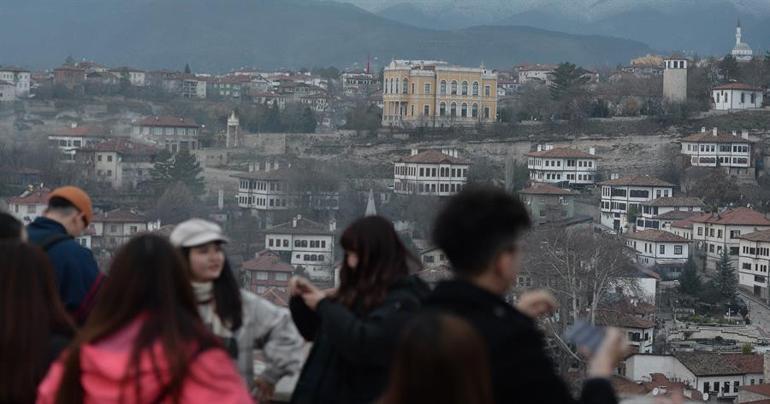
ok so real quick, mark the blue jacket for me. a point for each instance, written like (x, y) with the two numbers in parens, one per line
(74, 265)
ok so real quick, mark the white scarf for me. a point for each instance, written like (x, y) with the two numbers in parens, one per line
(204, 295)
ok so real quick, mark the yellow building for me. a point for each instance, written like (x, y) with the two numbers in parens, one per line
(435, 94)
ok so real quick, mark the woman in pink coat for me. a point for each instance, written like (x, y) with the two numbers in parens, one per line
(144, 341)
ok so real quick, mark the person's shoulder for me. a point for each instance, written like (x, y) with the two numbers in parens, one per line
(257, 306)
(410, 288)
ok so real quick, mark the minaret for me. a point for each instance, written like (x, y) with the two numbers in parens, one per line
(738, 32)
(675, 80)
(371, 209)
(233, 129)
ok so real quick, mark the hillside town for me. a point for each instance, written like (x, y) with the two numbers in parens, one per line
(647, 184)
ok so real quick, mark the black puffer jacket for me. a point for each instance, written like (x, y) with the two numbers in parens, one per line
(351, 353)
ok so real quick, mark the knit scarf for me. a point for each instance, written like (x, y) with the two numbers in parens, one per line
(204, 295)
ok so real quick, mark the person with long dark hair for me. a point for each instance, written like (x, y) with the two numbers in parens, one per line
(34, 327)
(11, 228)
(242, 320)
(144, 342)
(441, 360)
(355, 329)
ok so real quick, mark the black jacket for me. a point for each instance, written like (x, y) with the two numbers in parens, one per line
(351, 353)
(522, 372)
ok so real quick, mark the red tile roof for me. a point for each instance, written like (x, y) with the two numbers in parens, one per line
(675, 201)
(433, 157)
(89, 131)
(737, 216)
(708, 137)
(539, 188)
(637, 181)
(684, 223)
(168, 122)
(120, 215)
(737, 86)
(677, 215)
(762, 389)
(39, 196)
(656, 236)
(267, 261)
(716, 364)
(613, 318)
(761, 236)
(562, 152)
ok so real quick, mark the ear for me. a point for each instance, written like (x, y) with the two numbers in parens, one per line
(503, 262)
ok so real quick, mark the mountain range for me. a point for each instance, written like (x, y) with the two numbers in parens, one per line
(706, 27)
(219, 35)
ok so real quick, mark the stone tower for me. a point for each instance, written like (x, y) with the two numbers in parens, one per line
(233, 131)
(675, 80)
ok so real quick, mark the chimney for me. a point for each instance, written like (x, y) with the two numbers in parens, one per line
(275, 165)
(592, 151)
(702, 129)
(413, 152)
(614, 176)
(745, 134)
(714, 131)
(332, 225)
(294, 221)
(539, 147)
(735, 134)
(74, 125)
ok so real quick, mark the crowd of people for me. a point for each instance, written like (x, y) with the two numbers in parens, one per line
(169, 322)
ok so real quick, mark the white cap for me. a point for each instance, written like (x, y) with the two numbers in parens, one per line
(195, 232)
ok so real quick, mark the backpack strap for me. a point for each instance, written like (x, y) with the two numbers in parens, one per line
(88, 302)
(52, 240)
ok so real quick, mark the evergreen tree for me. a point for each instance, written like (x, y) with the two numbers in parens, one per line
(181, 167)
(187, 69)
(308, 122)
(567, 81)
(729, 67)
(689, 280)
(272, 122)
(725, 280)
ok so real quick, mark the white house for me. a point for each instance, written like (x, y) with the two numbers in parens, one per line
(718, 232)
(621, 195)
(538, 73)
(283, 188)
(639, 331)
(135, 77)
(661, 212)
(306, 245)
(114, 228)
(29, 205)
(69, 140)
(736, 96)
(658, 248)
(169, 132)
(714, 149)
(119, 162)
(433, 258)
(19, 78)
(754, 262)
(683, 227)
(7, 91)
(562, 165)
(432, 172)
(717, 374)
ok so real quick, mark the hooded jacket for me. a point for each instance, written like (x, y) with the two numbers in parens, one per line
(211, 377)
(351, 353)
(75, 268)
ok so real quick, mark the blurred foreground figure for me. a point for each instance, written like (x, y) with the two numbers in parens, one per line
(144, 341)
(355, 329)
(441, 360)
(78, 278)
(11, 228)
(34, 327)
(242, 320)
(479, 230)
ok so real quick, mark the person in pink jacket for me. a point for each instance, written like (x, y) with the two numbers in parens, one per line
(144, 342)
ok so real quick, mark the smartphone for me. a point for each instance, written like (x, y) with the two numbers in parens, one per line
(584, 335)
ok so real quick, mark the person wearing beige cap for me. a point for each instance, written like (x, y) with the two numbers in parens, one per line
(242, 320)
(68, 214)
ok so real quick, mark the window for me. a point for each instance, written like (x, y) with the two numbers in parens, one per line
(487, 91)
(442, 109)
(464, 110)
(486, 112)
(454, 87)
(109, 157)
(285, 243)
(426, 110)
(706, 387)
(261, 275)
(405, 87)
(443, 87)
(700, 231)
(282, 277)
(99, 157)
(453, 110)
(677, 250)
(465, 88)
(637, 193)
(662, 249)
(475, 88)
(426, 88)
(475, 111)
